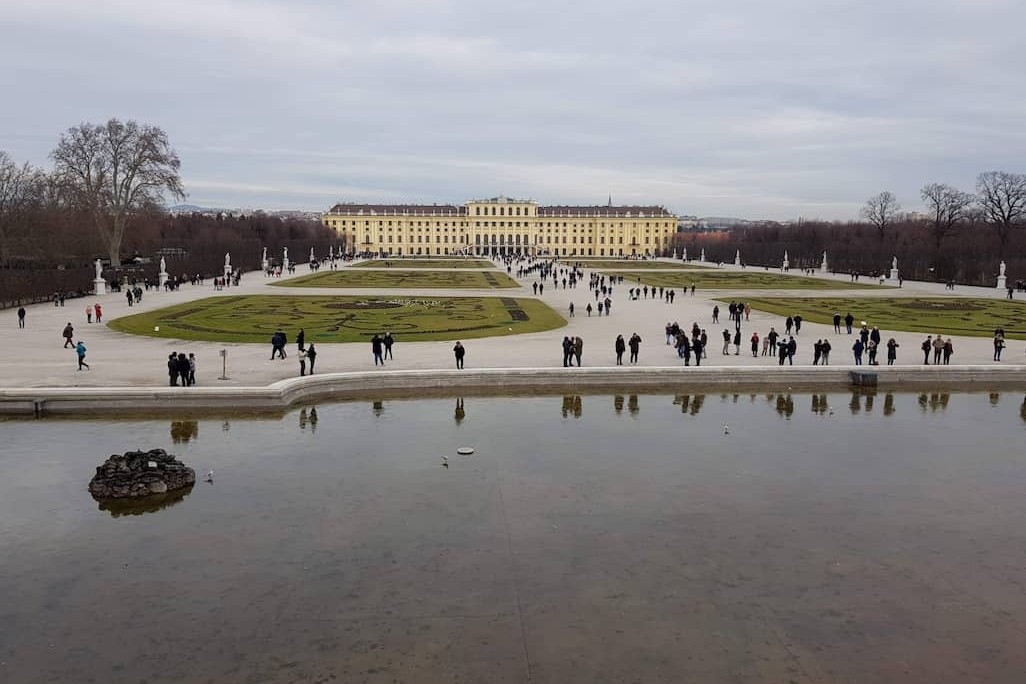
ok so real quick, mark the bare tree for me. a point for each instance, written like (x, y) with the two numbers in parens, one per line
(115, 169)
(949, 206)
(881, 210)
(20, 192)
(1003, 200)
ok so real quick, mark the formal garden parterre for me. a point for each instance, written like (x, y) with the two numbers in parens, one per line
(972, 316)
(403, 279)
(733, 280)
(254, 318)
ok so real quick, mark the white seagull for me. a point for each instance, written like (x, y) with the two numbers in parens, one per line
(210, 477)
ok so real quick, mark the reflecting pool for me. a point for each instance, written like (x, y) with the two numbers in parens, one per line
(750, 537)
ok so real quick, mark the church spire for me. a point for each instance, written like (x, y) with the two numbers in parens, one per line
(610, 199)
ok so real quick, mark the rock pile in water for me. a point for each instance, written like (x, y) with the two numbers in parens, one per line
(137, 474)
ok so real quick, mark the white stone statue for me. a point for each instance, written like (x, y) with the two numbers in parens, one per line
(894, 263)
(703, 254)
(331, 252)
(99, 270)
(824, 264)
(227, 260)
(1001, 269)
(263, 257)
(737, 258)
(285, 253)
(311, 255)
(685, 257)
(163, 265)
(787, 262)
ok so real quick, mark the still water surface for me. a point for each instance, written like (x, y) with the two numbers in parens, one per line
(708, 538)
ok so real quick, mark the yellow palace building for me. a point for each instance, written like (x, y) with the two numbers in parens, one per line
(503, 226)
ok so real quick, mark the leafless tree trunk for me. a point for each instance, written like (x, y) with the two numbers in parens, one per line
(1003, 200)
(115, 169)
(948, 206)
(881, 210)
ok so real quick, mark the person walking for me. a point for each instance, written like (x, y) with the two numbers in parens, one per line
(871, 350)
(588, 309)
(792, 349)
(183, 368)
(716, 314)
(825, 352)
(89, 314)
(68, 333)
(459, 352)
(726, 342)
(949, 349)
(377, 346)
(999, 345)
(788, 325)
(938, 349)
(635, 345)
(737, 338)
(80, 350)
(302, 363)
(172, 369)
(99, 312)
(571, 309)
(21, 317)
(311, 357)
(797, 323)
(892, 351)
(837, 322)
(619, 347)
(388, 340)
(848, 320)
(698, 347)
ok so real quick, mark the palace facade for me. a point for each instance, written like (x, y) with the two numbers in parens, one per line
(503, 226)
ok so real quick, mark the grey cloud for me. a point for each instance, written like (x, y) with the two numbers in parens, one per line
(746, 108)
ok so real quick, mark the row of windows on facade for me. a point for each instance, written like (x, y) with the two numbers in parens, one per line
(501, 224)
(502, 211)
(502, 239)
(511, 249)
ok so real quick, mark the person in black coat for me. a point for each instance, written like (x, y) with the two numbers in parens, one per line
(619, 347)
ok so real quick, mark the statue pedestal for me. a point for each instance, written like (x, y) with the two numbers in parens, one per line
(1002, 283)
(894, 274)
(99, 286)
(227, 271)
(263, 265)
(285, 265)
(161, 280)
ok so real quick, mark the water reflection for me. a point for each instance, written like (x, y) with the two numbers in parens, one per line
(148, 504)
(378, 407)
(995, 397)
(820, 405)
(785, 405)
(618, 404)
(632, 404)
(460, 412)
(183, 431)
(889, 404)
(308, 419)
(936, 401)
(572, 405)
(688, 404)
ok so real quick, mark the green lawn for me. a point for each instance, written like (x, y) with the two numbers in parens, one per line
(254, 318)
(403, 279)
(734, 280)
(425, 263)
(631, 265)
(946, 315)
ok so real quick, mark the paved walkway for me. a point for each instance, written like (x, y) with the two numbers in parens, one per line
(34, 357)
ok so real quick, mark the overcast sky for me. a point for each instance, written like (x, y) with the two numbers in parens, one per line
(746, 108)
